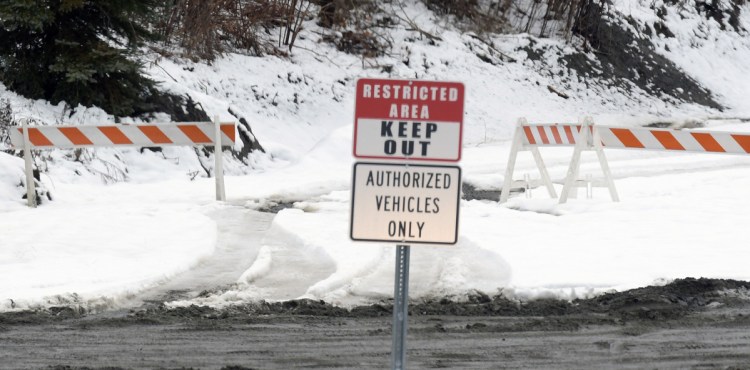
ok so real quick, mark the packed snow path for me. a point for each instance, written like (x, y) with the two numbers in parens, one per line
(240, 234)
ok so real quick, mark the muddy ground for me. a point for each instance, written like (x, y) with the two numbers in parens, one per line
(689, 323)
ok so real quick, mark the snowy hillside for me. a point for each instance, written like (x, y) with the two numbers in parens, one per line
(122, 221)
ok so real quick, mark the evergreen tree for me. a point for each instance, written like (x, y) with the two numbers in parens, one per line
(77, 51)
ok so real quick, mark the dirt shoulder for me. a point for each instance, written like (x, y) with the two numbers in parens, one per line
(690, 323)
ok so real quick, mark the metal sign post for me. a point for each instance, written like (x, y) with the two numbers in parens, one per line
(400, 307)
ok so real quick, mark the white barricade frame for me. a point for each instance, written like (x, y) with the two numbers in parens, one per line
(590, 137)
(582, 136)
(29, 137)
(520, 144)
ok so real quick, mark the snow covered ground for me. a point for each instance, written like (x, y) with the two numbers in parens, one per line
(100, 241)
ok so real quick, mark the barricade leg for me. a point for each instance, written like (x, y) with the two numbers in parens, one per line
(575, 164)
(514, 148)
(30, 185)
(218, 162)
(543, 172)
(605, 167)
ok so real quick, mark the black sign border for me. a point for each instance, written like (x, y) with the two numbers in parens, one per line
(351, 214)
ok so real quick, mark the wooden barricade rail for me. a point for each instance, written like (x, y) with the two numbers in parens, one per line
(139, 135)
(587, 136)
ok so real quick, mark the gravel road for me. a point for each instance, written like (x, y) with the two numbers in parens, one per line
(690, 323)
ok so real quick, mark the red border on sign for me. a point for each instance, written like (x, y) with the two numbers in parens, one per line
(376, 104)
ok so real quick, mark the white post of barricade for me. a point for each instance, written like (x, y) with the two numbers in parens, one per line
(599, 148)
(582, 142)
(515, 146)
(527, 185)
(219, 164)
(30, 185)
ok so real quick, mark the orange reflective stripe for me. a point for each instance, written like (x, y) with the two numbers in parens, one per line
(556, 134)
(36, 137)
(542, 134)
(155, 135)
(529, 135)
(115, 135)
(194, 134)
(75, 136)
(707, 142)
(569, 134)
(744, 141)
(228, 130)
(667, 140)
(627, 138)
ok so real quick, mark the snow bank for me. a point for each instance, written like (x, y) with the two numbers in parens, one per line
(11, 178)
(97, 252)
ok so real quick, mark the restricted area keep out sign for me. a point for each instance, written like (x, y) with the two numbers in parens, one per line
(408, 203)
(411, 120)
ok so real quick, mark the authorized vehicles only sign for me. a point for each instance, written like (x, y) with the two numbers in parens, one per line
(405, 203)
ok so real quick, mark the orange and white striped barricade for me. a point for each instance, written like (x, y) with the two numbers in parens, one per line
(594, 137)
(645, 138)
(675, 140)
(140, 135)
(524, 139)
(588, 138)
(530, 137)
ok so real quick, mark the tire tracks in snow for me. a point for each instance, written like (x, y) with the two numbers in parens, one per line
(255, 259)
(240, 235)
